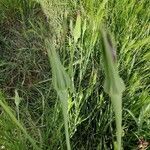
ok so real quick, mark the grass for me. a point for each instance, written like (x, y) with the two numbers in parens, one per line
(29, 86)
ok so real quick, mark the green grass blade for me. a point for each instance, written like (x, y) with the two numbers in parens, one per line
(77, 29)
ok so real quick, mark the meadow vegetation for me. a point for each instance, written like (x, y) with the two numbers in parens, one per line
(56, 90)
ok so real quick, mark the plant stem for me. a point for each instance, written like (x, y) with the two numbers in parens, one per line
(117, 105)
(63, 95)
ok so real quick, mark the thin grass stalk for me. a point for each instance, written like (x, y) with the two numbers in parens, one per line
(63, 96)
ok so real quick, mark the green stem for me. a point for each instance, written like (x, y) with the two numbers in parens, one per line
(63, 95)
(117, 105)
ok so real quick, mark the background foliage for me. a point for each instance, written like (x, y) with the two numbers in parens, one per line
(24, 67)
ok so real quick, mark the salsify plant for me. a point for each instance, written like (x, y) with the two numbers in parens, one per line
(113, 84)
(61, 83)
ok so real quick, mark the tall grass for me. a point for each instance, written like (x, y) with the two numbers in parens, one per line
(73, 30)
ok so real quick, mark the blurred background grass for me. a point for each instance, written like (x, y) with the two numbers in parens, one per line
(24, 66)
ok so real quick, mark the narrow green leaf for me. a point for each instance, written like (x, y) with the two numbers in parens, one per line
(17, 98)
(84, 27)
(77, 29)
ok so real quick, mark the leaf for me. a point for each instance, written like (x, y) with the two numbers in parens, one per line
(77, 29)
(17, 98)
(84, 28)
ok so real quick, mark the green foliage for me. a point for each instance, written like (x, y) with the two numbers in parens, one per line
(73, 30)
(18, 124)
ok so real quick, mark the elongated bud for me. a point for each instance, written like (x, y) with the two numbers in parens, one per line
(113, 83)
(112, 47)
(60, 78)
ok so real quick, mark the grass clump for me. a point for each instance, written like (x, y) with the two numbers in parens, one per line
(73, 31)
(18, 124)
